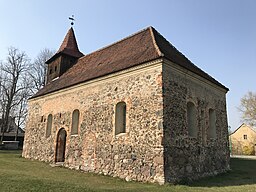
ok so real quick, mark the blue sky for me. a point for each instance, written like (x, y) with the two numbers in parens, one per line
(219, 36)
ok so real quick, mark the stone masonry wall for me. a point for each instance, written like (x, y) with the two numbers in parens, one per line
(189, 158)
(156, 146)
(134, 155)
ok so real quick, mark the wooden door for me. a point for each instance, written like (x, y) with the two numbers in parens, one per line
(61, 146)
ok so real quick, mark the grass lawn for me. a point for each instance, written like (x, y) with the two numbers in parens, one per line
(19, 174)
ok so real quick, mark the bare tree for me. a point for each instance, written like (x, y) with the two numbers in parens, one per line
(19, 80)
(12, 70)
(38, 69)
(248, 108)
(20, 110)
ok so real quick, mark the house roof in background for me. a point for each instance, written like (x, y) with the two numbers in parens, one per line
(243, 125)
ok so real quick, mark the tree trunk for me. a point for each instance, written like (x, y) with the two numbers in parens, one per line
(3, 128)
(2, 133)
(17, 130)
(16, 134)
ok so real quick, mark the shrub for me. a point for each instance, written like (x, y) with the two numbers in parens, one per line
(248, 150)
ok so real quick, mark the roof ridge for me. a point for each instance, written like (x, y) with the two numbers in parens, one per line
(123, 39)
(182, 55)
(161, 36)
(154, 41)
(175, 48)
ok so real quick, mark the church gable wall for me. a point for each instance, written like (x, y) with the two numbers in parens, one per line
(136, 154)
(190, 157)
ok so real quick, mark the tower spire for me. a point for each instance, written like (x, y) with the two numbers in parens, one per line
(69, 44)
(66, 56)
(68, 47)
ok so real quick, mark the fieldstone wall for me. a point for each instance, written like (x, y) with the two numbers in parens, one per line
(189, 158)
(134, 155)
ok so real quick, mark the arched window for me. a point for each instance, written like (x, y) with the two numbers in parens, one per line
(120, 118)
(212, 124)
(49, 125)
(191, 120)
(75, 122)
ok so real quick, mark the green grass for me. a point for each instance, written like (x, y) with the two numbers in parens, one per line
(22, 175)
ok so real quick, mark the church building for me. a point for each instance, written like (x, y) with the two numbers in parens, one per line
(137, 109)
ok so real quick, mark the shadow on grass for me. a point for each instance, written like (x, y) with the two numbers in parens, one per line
(243, 172)
(19, 151)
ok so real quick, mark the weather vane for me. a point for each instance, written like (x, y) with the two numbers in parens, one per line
(72, 20)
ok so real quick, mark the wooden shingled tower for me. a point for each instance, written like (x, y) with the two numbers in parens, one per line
(65, 57)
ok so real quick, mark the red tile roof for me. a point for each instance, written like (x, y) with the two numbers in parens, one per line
(144, 46)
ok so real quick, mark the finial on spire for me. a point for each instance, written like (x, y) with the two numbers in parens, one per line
(72, 20)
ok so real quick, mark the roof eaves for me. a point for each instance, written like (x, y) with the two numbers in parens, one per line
(52, 58)
(62, 53)
(236, 129)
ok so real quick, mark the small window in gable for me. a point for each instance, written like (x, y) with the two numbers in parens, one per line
(49, 125)
(192, 120)
(245, 136)
(212, 124)
(120, 118)
(75, 122)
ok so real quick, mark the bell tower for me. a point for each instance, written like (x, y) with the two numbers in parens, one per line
(65, 58)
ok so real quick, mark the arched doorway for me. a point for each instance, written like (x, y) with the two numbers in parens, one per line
(61, 145)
